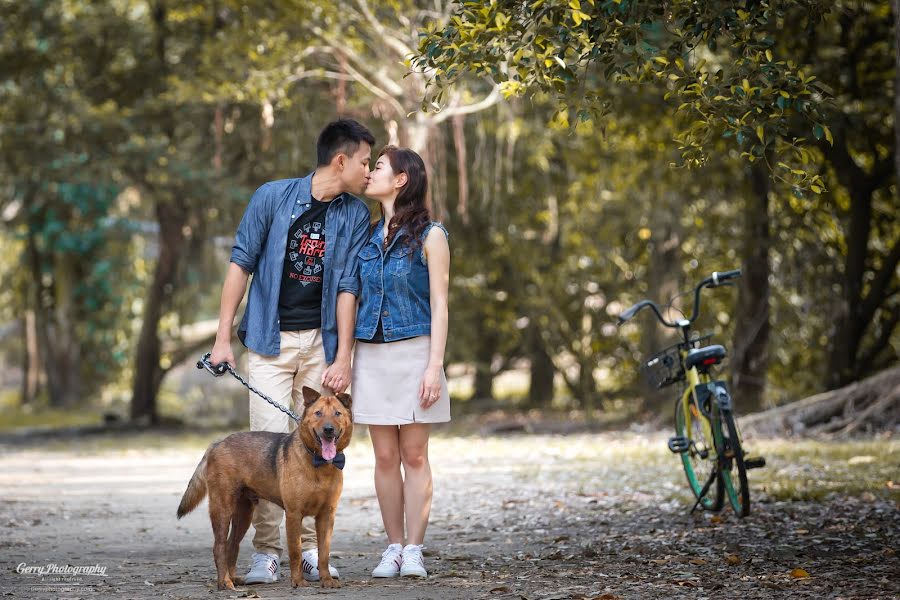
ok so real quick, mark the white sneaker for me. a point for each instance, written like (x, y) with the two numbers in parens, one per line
(412, 564)
(310, 566)
(390, 562)
(264, 569)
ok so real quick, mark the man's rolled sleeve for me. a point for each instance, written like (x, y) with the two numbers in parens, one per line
(349, 282)
(251, 233)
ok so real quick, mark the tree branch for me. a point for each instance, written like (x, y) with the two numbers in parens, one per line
(398, 46)
(451, 111)
(868, 358)
(378, 91)
(878, 292)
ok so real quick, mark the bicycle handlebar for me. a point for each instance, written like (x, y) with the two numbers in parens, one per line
(714, 280)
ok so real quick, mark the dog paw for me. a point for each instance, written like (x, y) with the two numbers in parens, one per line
(226, 585)
(330, 583)
(298, 582)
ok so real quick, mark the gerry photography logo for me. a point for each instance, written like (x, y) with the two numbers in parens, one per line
(65, 570)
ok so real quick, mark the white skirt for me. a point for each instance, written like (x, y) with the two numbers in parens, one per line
(386, 380)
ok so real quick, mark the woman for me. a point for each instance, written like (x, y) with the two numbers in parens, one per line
(399, 387)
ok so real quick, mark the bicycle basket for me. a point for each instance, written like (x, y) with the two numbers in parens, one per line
(663, 368)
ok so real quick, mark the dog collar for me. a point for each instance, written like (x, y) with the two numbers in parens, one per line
(338, 461)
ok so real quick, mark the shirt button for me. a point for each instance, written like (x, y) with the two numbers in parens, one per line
(384, 314)
(292, 216)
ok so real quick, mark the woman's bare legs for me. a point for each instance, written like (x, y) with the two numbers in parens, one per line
(388, 481)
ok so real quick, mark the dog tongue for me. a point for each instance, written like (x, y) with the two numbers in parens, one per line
(329, 451)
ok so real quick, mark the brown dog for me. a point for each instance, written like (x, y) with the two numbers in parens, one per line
(279, 467)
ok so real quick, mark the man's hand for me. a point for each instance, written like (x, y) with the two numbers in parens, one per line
(221, 352)
(337, 375)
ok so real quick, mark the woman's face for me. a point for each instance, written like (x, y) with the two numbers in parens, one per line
(383, 182)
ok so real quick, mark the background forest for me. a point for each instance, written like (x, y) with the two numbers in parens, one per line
(132, 134)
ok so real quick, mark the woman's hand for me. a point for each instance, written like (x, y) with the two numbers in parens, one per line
(430, 388)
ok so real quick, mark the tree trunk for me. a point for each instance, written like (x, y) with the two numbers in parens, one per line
(484, 352)
(57, 350)
(849, 328)
(663, 282)
(587, 386)
(751, 334)
(540, 387)
(484, 374)
(896, 6)
(31, 378)
(148, 373)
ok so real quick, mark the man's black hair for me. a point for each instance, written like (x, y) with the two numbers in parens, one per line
(343, 135)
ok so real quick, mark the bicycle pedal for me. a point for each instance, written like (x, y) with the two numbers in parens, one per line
(754, 462)
(679, 444)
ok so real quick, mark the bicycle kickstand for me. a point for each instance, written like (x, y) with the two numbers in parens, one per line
(702, 494)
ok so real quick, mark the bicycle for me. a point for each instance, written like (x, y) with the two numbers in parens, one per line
(706, 433)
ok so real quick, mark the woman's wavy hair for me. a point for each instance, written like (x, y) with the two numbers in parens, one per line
(410, 211)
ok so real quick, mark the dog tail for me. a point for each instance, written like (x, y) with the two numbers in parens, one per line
(196, 488)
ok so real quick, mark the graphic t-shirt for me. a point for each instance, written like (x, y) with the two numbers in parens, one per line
(300, 300)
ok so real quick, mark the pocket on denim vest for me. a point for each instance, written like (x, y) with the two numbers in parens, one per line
(369, 258)
(400, 260)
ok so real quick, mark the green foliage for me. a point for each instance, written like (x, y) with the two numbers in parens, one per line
(716, 62)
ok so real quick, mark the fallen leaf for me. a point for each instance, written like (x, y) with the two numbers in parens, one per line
(607, 596)
(732, 559)
(716, 519)
(697, 561)
(799, 573)
(499, 590)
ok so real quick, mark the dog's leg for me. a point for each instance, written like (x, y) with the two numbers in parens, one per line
(324, 529)
(221, 509)
(240, 522)
(292, 529)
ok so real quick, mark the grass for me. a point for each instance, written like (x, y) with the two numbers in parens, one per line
(48, 417)
(815, 470)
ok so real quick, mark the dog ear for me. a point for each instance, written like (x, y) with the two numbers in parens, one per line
(345, 400)
(309, 395)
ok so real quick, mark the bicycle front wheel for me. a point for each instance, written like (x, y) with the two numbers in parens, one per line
(734, 472)
(699, 460)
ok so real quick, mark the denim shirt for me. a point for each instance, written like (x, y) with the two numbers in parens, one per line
(394, 286)
(259, 248)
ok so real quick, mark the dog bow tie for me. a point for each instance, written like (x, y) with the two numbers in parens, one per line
(339, 461)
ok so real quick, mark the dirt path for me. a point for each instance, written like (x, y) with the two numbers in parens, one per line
(551, 517)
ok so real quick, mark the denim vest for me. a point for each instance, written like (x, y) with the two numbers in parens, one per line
(259, 248)
(394, 286)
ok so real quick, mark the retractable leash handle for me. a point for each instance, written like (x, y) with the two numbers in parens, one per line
(216, 370)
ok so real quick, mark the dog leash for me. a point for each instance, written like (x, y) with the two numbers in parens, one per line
(220, 369)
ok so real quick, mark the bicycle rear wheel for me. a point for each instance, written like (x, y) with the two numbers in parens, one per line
(734, 471)
(699, 460)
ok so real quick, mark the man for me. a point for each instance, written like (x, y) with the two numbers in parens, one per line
(300, 239)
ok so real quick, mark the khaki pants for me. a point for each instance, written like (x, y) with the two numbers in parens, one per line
(281, 378)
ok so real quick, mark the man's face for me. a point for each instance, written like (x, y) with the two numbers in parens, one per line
(355, 175)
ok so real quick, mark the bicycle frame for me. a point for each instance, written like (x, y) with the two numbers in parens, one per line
(693, 380)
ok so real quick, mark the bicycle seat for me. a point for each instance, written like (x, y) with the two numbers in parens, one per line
(708, 355)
